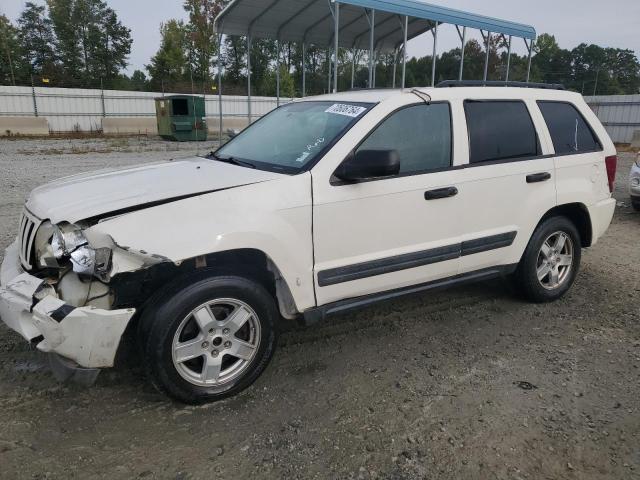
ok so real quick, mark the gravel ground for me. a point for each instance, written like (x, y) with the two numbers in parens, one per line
(420, 388)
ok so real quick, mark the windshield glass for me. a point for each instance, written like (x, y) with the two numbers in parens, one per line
(293, 135)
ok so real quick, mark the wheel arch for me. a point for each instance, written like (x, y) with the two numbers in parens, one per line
(140, 287)
(579, 216)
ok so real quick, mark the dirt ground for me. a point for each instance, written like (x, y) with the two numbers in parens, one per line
(421, 388)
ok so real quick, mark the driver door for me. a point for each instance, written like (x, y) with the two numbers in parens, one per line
(393, 232)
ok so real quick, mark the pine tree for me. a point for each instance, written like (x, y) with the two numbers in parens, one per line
(169, 65)
(37, 41)
(10, 58)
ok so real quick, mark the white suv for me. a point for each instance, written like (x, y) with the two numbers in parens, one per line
(325, 204)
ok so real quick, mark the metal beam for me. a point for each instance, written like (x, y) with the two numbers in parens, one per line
(486, 58)
(314, 25)
(463, 37)
(249, 77)
(372, 34)
(304, 69)
(336, 47)
(435, 53)
(530, 48)
(404, 52)
(262, 14)
(353, 67)
(220, 87)
(277, 73)
(395, 61)
(508, 59)
(294, 16)
(329, 69)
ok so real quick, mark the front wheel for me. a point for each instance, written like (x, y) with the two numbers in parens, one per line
(551, 260)
(211, 339)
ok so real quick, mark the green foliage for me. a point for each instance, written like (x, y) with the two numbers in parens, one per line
(35, 34)
(91, 43)
(9, 52)
(83, 43)
(169, 64)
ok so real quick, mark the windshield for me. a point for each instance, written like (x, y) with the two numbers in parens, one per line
(292, 136)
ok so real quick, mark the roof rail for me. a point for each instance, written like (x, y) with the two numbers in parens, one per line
(499, 83)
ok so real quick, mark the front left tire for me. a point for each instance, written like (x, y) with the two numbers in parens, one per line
(210, 339)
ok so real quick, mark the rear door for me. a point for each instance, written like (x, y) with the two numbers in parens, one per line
(509, 183)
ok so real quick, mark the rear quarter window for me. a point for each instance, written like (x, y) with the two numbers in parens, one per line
(570, 132)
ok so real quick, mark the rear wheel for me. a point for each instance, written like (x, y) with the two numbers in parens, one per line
(551, 261)
(210, 339)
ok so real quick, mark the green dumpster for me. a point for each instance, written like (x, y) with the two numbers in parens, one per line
(181, 118)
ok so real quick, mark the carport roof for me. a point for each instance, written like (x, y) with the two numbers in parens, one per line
(311, 21)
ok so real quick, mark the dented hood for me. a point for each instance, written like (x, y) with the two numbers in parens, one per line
(89, 195)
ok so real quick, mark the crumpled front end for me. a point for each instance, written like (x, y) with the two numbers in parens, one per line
(29, 305)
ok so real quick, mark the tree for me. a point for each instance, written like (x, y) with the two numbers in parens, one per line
(64, 27)
(10, 66)
(37, 40)
(138, 81)
(169, 65)
(203, 41)
(113, 47)
(92, 43)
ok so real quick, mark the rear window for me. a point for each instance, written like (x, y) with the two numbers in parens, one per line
(500, 130)
(568, 128)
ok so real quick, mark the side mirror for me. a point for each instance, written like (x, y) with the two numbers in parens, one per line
(367, 164)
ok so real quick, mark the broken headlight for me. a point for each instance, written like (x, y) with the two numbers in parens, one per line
(68, 241)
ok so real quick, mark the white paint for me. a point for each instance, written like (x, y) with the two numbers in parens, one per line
(352, 223)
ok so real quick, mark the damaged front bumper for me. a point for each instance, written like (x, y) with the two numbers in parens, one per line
(88, 336)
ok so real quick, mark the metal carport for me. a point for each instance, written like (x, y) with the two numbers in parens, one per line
(374, 25)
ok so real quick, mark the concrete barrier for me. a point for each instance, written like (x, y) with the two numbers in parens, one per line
(10, 126)
(234, 123)
(129, 125)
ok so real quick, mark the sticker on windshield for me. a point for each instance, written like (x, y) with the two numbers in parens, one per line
(347, 110)
(303, 157)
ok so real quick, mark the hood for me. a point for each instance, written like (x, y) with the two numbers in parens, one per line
(89, 195)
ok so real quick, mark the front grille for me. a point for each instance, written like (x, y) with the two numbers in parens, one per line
(26, 235)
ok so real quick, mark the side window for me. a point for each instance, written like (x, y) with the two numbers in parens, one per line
(568, 128)
(500, 130)
(420, 134)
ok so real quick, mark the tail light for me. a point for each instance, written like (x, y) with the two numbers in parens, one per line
(612, 164)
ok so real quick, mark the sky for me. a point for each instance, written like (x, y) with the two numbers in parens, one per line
(613, 23)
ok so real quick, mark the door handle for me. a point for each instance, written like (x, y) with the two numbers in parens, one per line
(440, 193)
(538, 177)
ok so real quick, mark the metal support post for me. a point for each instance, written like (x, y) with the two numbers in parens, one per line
(433, 58)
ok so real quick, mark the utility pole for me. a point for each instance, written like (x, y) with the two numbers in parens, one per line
(595, 87)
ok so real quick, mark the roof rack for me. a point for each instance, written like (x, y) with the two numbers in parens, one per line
(499, 83)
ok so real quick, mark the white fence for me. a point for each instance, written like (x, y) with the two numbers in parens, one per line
(620, 115)
(75, 109)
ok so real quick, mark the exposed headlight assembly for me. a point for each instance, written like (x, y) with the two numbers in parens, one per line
(68, 241)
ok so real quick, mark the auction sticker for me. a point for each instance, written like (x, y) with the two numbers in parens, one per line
(347, 110)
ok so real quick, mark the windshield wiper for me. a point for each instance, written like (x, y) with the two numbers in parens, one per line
(232, 161)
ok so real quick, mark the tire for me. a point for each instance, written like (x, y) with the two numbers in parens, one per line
(559, 279)
(205, 323)
(636, 205)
